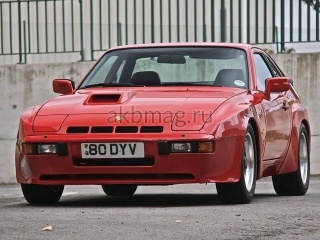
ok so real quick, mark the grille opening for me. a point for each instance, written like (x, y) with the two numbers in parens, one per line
(126, 129)
(115, 162)
(104, 98)
(118, 129)
(79, 129)
(101, 129)
(151, 129)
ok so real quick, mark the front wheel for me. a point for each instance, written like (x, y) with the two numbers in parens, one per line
(242, 191)
(296, 183)
(119, 190)
(42, 194)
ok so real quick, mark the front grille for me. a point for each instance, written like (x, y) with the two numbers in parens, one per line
(114, 162)
(151, 129)
(101, 129)
(118, 129)
(126, 129)
(79, 129)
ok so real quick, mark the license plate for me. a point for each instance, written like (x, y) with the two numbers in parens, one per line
(112, 150)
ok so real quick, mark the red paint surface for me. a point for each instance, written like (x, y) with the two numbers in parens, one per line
(219, 114)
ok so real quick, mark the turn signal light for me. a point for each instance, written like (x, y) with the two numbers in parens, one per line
(34, 148)
(205, 147)
(192, 147)
(28, 148)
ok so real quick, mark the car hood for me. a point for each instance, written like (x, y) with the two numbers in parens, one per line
(164, 105)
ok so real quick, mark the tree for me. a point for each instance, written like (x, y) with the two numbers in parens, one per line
(315, 4)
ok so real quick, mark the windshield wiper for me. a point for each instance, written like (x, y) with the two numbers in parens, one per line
(133, 85)
(110, 85)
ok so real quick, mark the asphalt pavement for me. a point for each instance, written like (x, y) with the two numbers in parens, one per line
(161, 212)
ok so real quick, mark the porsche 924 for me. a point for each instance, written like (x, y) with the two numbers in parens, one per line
(162, 114)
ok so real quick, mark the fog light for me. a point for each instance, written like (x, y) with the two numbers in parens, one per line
(28, 148)
(205, 147)
(47, 148)
(181, 147)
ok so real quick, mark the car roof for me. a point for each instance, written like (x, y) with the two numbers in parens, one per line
(244, 46)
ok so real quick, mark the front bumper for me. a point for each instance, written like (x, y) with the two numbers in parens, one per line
(223, 165)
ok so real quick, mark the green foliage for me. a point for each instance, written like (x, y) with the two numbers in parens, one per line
(313, 3)
(289, 50)
(286, 50)
(269, 51)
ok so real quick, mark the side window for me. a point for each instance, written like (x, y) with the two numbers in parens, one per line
(262, 70)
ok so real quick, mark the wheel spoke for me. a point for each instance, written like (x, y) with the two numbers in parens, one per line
(303, 156)
(248, 162)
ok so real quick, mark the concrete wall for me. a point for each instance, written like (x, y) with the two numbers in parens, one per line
(304, 69)
(22, 86)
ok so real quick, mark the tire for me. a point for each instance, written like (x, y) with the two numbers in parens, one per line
(119, 190)
(243, 191)
(42, 194)
(296, 183)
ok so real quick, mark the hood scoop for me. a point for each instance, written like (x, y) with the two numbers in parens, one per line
(103, 98)
(108, 98)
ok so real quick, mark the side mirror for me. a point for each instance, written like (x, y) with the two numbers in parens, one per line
(276, 84)
(63, 86)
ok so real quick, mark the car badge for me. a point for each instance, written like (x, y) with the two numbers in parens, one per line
(118, 118)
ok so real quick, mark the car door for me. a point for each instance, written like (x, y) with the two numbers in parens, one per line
(276, 109)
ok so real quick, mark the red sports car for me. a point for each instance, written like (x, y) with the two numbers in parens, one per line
(162, 114)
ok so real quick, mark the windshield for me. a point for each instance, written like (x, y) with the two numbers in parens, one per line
(170, 66)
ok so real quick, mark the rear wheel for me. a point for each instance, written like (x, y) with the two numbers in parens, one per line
(119, 190)
(42, 194)
(296, 183)
(242, 191)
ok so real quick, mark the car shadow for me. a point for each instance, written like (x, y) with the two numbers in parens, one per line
(148, 200)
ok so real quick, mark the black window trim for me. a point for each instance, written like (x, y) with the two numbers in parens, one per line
(271, 68)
